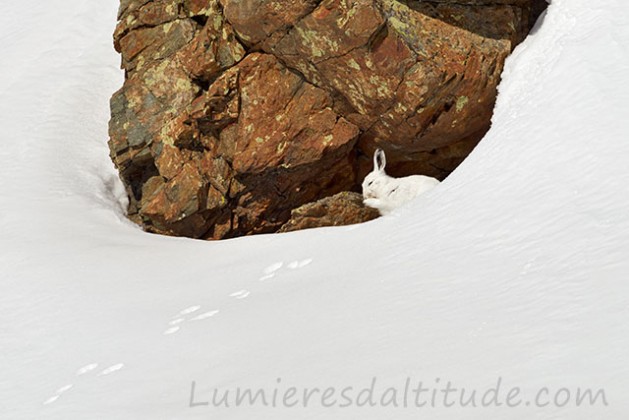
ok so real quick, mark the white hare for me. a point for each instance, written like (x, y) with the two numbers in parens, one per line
(386, 193)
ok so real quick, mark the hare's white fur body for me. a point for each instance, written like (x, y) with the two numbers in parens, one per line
(386, 193)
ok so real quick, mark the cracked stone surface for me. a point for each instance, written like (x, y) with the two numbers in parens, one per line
(236, 112)
(345, 208)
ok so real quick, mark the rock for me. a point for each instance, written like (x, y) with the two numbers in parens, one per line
(234, 113)
(345, 208)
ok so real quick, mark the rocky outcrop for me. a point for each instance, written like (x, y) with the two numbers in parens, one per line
(344, 208)
(234, 113)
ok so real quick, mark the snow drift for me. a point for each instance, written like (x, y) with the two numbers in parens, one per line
(510, 274)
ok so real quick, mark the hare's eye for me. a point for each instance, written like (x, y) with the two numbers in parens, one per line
(370, 182)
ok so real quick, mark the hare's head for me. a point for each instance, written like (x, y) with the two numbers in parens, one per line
(376, 180)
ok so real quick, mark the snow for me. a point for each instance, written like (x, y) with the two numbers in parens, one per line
(513, 269)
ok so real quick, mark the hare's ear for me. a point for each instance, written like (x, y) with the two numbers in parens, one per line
(379, 160)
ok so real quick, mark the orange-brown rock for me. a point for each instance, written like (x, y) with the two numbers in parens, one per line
(234, 113)
(345, 208)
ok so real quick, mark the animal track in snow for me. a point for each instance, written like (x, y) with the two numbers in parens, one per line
(205, 315)
(273, 269)
(58, 394)
(112, 369)
(241, 294)
(172, 330)
(269, 272)
(86, 368)
(190, 310)
(305, 262)
(64, 389)
(81, 372)
(299, 264)
(175, 324)
(51, 399)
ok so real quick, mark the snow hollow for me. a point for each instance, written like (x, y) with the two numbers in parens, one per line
(506, 286)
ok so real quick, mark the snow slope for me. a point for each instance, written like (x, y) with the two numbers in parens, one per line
(515, 268)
